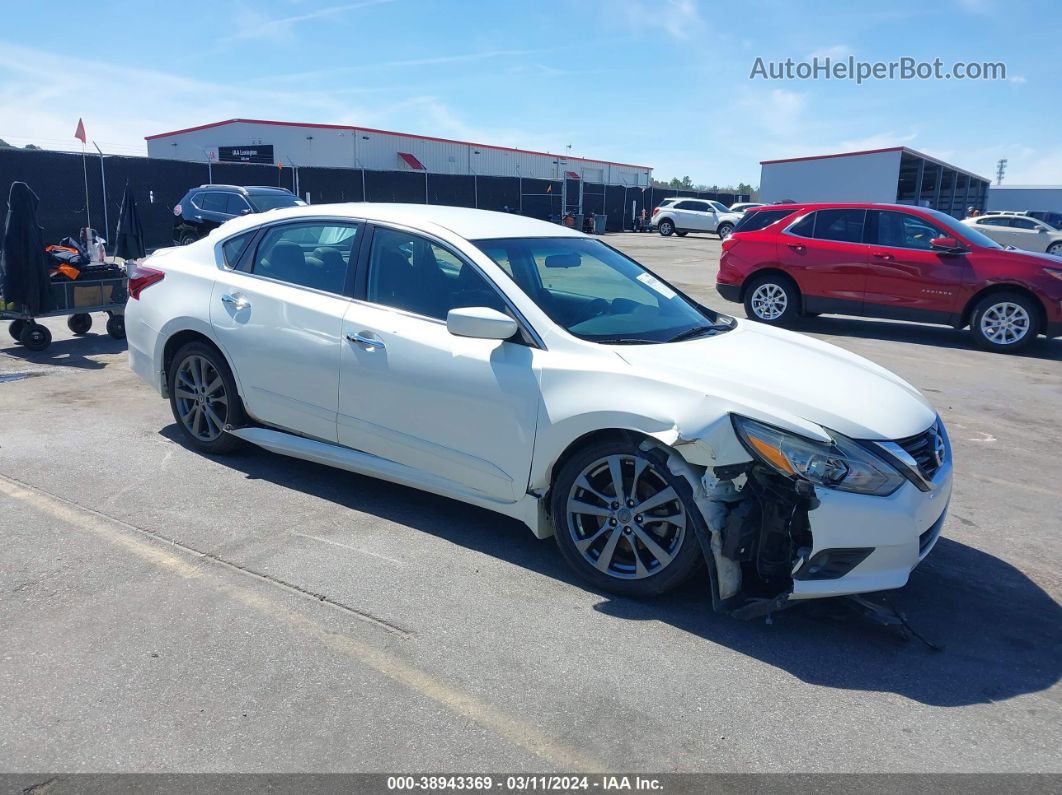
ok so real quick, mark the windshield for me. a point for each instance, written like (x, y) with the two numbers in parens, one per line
(964, 231)
(271, 201)
(597, 293)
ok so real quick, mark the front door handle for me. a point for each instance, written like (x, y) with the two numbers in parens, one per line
(367, 342)
(237, 302)
(881, 255)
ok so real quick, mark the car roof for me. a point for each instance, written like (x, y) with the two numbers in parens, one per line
(258, 190)
(463, 221)
(836, 206)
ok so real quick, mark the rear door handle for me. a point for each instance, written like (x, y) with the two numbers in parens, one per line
(367, 342)
(800, 248)
(237, 302)
(881, 255)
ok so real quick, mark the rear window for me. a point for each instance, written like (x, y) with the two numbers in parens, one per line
(845, 226)
(761, 219)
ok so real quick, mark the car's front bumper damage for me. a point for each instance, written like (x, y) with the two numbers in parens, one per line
(770, 541)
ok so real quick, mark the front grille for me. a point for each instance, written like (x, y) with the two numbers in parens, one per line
(922, 448)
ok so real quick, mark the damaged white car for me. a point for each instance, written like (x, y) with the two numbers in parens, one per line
(527, 368)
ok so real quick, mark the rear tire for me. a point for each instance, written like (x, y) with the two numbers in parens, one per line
(603, 536)
(1005, 322)
(204, 399)
(116, 326)
(80, 323)
(187, 239)
(666, 228)
(724, 231)
(773, 299)
(1055, 249)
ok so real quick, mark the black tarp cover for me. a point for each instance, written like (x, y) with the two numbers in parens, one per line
(23, 268)
(130, 242)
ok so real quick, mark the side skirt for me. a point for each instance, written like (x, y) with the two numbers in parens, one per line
(526, 509)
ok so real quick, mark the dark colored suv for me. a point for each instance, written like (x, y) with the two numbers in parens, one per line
(209, 206)
(890, 261)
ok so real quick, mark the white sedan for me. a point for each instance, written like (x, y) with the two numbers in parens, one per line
(530, 369)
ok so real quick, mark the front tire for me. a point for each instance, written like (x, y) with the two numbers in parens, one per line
(116, 327)
(1055, 249)
(35, 336)
(624, 522)
(1005, 322)
(187, 239)
(666, 228)
(773, 299)
(204, 399)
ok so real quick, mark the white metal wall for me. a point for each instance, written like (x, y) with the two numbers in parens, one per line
(850, 178)
(350, 148)
(1025, 197)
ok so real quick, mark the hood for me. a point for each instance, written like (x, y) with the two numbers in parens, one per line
(789, 380)
(1035, 258)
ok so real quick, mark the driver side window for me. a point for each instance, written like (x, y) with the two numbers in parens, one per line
(408, 272)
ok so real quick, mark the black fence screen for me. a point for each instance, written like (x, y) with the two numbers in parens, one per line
(58, 179)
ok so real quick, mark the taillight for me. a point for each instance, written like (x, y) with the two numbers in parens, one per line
(729, 243)
(655, 211)
(141, 278)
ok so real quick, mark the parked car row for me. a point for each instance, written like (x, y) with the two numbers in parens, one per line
(890, 261)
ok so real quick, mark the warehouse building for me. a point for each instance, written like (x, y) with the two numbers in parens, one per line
(1025, 198)
(893, 175)
(294, 145)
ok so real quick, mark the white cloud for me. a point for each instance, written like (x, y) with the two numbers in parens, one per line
(1033, 167)
(253, 24)
(837, 52)
(875, 141)
(680, 19)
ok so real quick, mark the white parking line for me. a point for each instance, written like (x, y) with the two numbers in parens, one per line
(352, 549)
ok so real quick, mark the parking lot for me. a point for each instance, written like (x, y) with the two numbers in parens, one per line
(165, 611)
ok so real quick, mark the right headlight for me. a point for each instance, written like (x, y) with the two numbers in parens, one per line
(844, 464)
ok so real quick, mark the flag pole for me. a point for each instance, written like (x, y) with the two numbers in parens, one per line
(84, 165)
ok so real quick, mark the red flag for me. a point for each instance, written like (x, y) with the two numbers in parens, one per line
(80, 132)
(549, 189)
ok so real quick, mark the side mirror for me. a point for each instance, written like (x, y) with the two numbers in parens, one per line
(947, 244)
(480, 322)
(1041, 230)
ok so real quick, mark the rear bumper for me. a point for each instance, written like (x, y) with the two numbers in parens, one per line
(730, 292)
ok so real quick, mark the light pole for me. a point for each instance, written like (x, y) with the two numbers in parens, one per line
(103, 180)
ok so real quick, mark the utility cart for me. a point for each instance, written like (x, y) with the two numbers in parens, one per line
(95, 290)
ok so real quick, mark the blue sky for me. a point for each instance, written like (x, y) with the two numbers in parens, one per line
(657, 82)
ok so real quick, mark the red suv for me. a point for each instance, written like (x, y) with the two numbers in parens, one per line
(890, 261)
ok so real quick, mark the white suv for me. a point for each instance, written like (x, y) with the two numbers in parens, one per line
(1019, 230)
(680, 216)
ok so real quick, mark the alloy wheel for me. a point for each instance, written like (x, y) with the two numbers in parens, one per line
(624, 518)
(769, 301)
(201, 398)
(1005, 323)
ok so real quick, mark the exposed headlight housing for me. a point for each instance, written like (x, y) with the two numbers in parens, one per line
(1054, 272)
(844, 465)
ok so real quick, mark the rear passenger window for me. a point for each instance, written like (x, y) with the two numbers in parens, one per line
(211, 202)
(761, 219)
(845, 226)
(314, 255)
(805, 227)
(232, 248)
